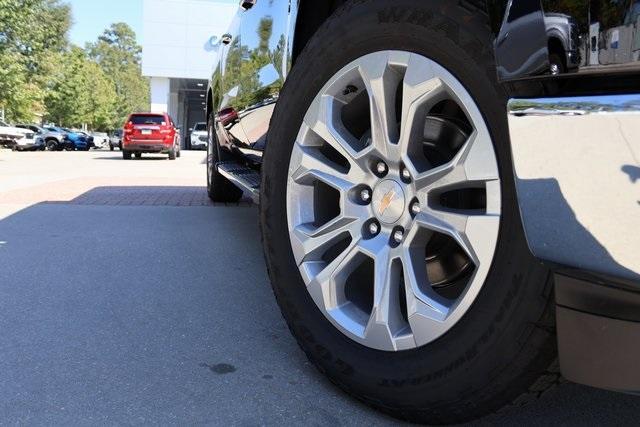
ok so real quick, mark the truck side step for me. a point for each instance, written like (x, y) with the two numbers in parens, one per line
(242, 176)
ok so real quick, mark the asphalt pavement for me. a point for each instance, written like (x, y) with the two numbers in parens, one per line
(126, 297)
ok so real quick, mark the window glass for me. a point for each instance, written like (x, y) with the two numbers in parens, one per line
(521, 8)
(147, 119)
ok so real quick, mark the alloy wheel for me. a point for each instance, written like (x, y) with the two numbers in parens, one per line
(393, 200)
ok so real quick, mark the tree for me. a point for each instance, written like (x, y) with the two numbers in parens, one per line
(118, 54)
(82, 93)
(26, 51)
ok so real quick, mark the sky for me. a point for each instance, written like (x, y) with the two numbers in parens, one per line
(92, 17)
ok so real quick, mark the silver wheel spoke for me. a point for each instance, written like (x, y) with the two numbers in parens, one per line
(422, 89)
(381, 82)
(470, 165)
(386, 315)
(327, 286)
(426, 310)
(450, 223)
(323, 117)
(420, 295)
(458, 225)
(309, 166)
(311, 241)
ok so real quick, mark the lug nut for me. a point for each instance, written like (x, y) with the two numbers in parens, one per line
(381, 168)
(374, 228)
(398, 236)
(405, 174)
(365, 195)
(415, 208)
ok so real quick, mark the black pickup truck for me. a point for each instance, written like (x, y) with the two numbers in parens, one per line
(448, 191)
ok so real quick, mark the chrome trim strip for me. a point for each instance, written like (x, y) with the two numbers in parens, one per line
(577, 167)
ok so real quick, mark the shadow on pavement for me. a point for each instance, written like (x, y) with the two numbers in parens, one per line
(148, 195)
(632, 171)
(116, 314)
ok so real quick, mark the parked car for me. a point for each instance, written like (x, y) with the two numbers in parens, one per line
(70, 140)
(433, 252)
(100, 140)
(81, 140)
(198, 137)
(115, 140)
(150, 133)
(88, 138)
(53, 139)
(16, 138)
(40, 134)
(38, 143)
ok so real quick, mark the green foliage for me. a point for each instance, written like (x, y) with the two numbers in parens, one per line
(26, 48)
(118, 54)
(41, 75)
(81, 93)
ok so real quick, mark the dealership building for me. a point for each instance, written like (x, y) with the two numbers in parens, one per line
(179, 51)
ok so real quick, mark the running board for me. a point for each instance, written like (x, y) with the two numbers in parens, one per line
(243, 177)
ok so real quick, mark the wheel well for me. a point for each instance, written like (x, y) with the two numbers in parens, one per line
(311, 15)
(555, 46)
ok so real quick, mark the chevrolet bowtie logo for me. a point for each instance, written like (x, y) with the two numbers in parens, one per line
(386, 201)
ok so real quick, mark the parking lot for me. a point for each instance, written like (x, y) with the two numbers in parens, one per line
(126, 297)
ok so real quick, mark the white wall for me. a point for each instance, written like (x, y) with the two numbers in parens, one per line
(160, 87)
(177, 33)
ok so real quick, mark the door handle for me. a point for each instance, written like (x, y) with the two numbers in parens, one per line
(226, 38)
(247, 4)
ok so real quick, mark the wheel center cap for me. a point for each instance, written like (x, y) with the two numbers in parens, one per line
(388, 201)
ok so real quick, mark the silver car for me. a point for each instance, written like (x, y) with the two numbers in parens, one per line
(198, 137)
(100, 140)
(115, 140)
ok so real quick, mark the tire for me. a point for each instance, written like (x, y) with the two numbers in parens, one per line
(172, 153)
(126, 155)
(110, 147)
(178, 152)
(502, 350)
(219, 188)
(556, 65)
(138, 155)
(51, 145)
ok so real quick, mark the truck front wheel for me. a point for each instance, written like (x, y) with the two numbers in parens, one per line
(390, 221)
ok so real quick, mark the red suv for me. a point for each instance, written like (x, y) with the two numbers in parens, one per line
(150, 133)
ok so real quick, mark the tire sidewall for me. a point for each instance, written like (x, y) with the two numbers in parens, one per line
(476, 352)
